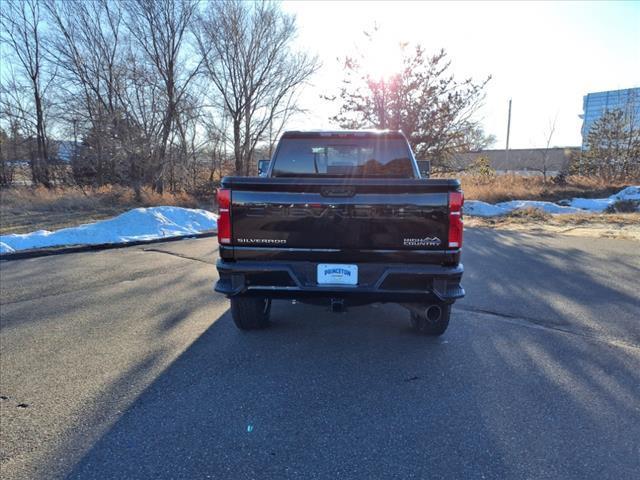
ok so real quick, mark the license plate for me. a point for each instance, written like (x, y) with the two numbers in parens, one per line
(337, 274)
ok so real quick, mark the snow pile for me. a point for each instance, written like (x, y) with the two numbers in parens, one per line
(547, 207)
(134, 225)
(600, 204)
(477, 208)
(590, 204)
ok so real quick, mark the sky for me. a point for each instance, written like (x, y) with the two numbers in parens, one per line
(543, 56)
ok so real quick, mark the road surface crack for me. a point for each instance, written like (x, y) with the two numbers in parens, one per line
(179, 255)
(541, 324)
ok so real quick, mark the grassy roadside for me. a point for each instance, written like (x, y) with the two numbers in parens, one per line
(502, 188)
(24, 210)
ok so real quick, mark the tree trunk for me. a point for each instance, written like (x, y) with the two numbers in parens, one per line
(41, 172)
(237, 150)
(247, 136)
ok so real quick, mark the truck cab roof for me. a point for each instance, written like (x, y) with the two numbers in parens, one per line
(343, 133)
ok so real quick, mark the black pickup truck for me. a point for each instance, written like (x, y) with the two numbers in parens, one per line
(341, 218)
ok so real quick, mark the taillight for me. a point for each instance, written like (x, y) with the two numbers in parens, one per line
(456, 200)
(224, 216)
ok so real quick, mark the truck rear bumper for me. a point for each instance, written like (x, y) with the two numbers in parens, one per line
(378, 282)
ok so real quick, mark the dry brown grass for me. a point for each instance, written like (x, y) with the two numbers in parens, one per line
(526, 215)
(25, 209)
(503, 188)
(75, 198)
(536, 216)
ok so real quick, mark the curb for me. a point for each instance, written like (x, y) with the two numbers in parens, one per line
(48, 251)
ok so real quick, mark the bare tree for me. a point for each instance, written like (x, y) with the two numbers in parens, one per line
(476, 140)
(248, 59)
(128, 88)
(22, 31)
(142, 100)
(542, 165)
(160, 28)
(220, 160)
(186, 165)
(16, 113)
(88, 47)
(423, 99)
(7, 158)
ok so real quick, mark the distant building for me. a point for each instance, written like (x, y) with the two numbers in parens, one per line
(594, 105)
(65, 150)
(520, 161)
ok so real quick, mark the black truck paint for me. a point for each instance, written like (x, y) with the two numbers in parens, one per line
(394, 231)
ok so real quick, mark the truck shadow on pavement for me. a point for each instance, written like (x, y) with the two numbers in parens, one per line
(358, 395)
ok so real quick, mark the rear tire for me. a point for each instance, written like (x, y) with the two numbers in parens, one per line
(423, 325)
(251, 313)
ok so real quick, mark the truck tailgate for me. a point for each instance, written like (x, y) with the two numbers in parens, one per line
(344, 214)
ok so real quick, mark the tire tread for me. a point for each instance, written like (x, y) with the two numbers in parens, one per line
(249, 313)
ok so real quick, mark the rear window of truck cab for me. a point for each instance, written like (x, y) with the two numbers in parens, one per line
(344, 156)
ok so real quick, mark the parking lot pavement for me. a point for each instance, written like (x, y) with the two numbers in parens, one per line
(124, 364)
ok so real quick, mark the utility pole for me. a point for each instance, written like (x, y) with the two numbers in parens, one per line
(508, 132)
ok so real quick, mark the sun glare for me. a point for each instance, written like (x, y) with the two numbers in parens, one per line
(382, 56)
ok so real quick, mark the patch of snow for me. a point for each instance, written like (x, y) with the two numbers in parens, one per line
(629, 193)
(4, 248)
(134, 225)
(477, 208)
(548, 207)
(601, 204)
(591, 204)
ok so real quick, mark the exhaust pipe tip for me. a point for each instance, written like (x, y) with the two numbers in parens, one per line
(433, 313)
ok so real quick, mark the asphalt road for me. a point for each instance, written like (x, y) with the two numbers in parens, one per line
(123, 364)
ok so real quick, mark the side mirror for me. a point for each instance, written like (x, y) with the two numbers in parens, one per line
(263, 167)
(424, 167)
